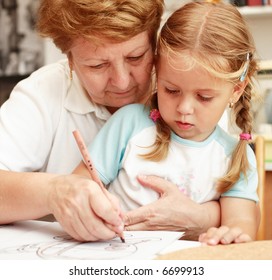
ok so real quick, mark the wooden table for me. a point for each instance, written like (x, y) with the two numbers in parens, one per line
(268, 205)
(256, 250)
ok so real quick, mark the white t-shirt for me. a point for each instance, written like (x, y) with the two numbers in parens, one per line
(193, 167)
(37, 121)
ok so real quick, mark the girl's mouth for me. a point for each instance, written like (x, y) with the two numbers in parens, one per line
(184, 126)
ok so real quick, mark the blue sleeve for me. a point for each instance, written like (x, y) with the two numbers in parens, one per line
(246, 187)
(109, 146)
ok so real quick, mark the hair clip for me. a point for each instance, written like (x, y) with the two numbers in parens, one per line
(243, 76)
(245, 136)
(154, 115)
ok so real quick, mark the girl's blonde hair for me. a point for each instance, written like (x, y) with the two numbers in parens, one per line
(116, 20)
(218, 39)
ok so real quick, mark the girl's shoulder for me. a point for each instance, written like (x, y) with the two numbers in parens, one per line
(133, 113)
(133, 109)
(225, 138)
(131, 118)
(229, 142)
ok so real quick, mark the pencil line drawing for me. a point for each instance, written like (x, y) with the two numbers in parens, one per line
(43, 240)
(64, 247)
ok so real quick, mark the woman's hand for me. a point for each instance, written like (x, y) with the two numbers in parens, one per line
(82, 209)
(224, 235)
(172, 211)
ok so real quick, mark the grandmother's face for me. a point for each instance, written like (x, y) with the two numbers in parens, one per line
(114, 74)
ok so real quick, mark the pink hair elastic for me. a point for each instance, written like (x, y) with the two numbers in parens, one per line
(245, 136)
(154, 115)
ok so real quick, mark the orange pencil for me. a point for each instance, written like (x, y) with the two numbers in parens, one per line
(89, 164)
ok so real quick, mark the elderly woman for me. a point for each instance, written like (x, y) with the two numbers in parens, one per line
(110, 46)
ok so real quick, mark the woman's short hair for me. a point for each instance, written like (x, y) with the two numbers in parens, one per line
(116, 20)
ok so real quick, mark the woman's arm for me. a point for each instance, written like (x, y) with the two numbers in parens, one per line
(77, 203)
(239, 222)
(173, 211)
(23, 195)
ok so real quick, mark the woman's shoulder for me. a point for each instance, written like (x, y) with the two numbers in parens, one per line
(46, 87)
(52, 71)
(46, 81)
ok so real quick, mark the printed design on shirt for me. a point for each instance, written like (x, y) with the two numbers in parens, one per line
(186, 183)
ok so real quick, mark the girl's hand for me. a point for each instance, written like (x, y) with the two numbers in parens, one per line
(224, 235)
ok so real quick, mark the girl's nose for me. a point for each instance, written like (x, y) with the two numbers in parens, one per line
(185, 106)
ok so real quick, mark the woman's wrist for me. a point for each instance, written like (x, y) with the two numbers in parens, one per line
(202, 217)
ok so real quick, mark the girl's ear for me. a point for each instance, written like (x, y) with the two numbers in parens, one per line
(238, 90)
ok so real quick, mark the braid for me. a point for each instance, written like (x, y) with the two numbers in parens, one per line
(242, 111)
(239, 161)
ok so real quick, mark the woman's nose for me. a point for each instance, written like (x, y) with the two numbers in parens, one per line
(120, 76)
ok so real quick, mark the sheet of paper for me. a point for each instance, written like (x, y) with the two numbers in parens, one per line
(179, 245)
(44, 240)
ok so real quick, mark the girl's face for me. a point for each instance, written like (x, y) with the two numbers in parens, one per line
(114, 74)
(191, 102)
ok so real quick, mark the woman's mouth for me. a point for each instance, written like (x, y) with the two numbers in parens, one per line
(122, 93)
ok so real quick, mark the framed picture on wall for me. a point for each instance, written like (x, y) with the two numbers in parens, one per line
(21, 49)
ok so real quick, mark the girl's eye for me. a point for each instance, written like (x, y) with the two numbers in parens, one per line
(172, 91)
(205, 98)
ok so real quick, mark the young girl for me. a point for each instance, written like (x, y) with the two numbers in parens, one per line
(204, 65)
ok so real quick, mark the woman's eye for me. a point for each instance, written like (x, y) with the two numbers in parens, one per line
(135, 58)
(98, 66)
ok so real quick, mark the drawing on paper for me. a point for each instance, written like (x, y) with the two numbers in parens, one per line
(64, 247)
(43, 240)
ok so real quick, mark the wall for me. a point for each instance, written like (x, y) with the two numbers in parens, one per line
(259, 20)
